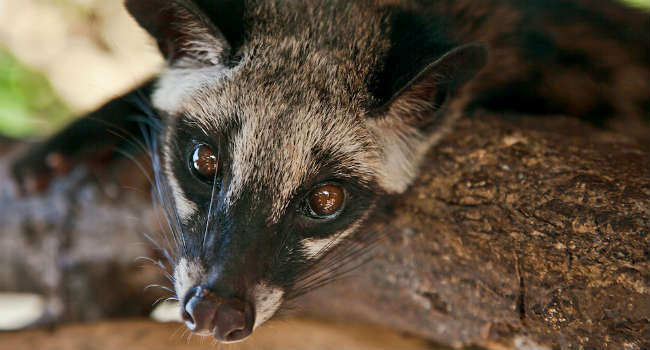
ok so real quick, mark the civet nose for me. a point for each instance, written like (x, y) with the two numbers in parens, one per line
(232, 322)
(227, 319)
(200, 309)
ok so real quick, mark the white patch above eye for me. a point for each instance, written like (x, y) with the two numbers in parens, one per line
(316, 247)
(177, 85)
(267, 302)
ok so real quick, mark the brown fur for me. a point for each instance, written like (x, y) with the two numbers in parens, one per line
(610, 41)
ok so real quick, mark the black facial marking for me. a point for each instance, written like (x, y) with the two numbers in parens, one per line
(186, 136)
(359, 197)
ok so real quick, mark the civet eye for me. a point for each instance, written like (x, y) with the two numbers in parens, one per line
(325, 201)
(205, 162)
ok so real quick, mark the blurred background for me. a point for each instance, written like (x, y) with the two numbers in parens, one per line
(60, 58)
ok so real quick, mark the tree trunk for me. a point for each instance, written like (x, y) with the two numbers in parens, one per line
(520, 232)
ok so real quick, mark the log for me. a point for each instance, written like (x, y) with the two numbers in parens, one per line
(520, 232)
(146, 334)
(78, 243)
(528, 233)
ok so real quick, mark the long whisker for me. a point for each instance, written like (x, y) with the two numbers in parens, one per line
(158, 286)
(122, 133)
(332, 276)
(163, 299)
(339, 275)
(171, 243)
(142, 169)
(156, 263)
(149, 148)
(336, 264)
(137, 163)
(164, 197)
(150, 125)
(161, 191)
(334, 257)
(159, 264)
(133, 141)
(209, 214)
(158, 247)
(348, 252)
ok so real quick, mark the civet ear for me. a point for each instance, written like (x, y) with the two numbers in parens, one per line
(185, 34)
(418, 100)
(413, 118)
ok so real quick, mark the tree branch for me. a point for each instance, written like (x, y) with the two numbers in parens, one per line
(521, 232)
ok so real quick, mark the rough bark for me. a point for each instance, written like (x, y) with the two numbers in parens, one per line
(532, 233)
(519, 232)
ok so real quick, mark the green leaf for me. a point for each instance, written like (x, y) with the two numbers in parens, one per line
(28, 104)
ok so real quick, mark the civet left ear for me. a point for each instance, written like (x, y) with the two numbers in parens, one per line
(417, 100)
(185, 35)
(410, 121)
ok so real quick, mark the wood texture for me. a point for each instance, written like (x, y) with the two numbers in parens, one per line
(528, 233)
(146, 334)
(519, 232)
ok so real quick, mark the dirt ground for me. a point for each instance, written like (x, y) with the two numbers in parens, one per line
(146, 334)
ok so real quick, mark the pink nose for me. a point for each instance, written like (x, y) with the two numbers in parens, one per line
(228, 319)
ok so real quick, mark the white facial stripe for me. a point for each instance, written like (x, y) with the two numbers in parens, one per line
(184, 206)
(176, 86)
(241, 169)
(187, 274)
(314, 248)
(267, 302)
(251, 145)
